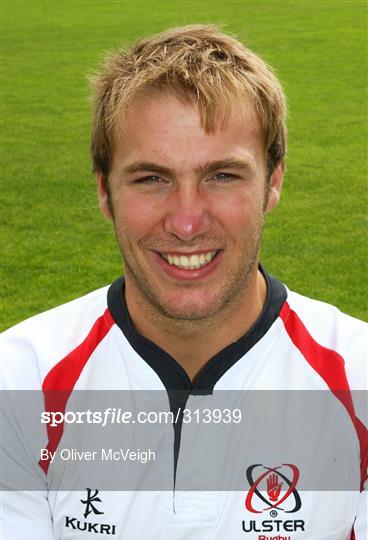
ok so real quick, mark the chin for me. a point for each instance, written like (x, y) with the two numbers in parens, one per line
(193, 309)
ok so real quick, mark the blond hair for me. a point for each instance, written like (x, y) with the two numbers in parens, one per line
(196, 62)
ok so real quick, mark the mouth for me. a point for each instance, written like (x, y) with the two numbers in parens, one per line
(189, 262)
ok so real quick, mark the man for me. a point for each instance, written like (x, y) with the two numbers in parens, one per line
(188, 146)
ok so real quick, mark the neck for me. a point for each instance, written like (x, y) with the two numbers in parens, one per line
(193, 343)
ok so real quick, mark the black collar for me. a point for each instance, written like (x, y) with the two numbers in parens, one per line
(172, 375)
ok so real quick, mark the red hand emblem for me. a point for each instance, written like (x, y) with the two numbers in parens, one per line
(273, 487)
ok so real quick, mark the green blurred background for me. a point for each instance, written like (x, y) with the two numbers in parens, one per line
(56, 245)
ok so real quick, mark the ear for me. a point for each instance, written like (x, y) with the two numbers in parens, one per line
(275, 187)
(103, 194)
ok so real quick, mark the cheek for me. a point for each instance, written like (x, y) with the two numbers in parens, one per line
(136, 217)
(238, 211)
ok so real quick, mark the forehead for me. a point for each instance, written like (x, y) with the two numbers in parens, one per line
(160, 125)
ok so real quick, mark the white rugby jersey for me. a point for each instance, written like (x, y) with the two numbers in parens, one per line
(256, 479)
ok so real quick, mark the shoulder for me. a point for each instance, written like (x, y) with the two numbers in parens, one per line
(320, 325)
(31, 348)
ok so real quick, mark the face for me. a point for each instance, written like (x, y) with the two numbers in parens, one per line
(188, 207)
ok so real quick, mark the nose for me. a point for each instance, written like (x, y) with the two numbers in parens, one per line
(187, 214)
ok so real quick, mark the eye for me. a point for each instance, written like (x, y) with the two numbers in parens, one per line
(149, 180)
(225, 177)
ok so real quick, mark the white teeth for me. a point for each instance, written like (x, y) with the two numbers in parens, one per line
(189, 263)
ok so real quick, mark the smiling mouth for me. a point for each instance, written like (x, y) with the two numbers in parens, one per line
(190, 262)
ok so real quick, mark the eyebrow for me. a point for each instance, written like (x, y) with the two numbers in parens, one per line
(206, 168)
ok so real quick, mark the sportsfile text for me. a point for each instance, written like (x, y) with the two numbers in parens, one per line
(114, 415)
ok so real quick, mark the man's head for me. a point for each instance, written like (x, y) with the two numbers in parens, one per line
(195, 63)
(188, 146)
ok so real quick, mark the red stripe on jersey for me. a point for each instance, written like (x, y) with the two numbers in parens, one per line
(363, 439)
(331, 367)
(60, 381)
